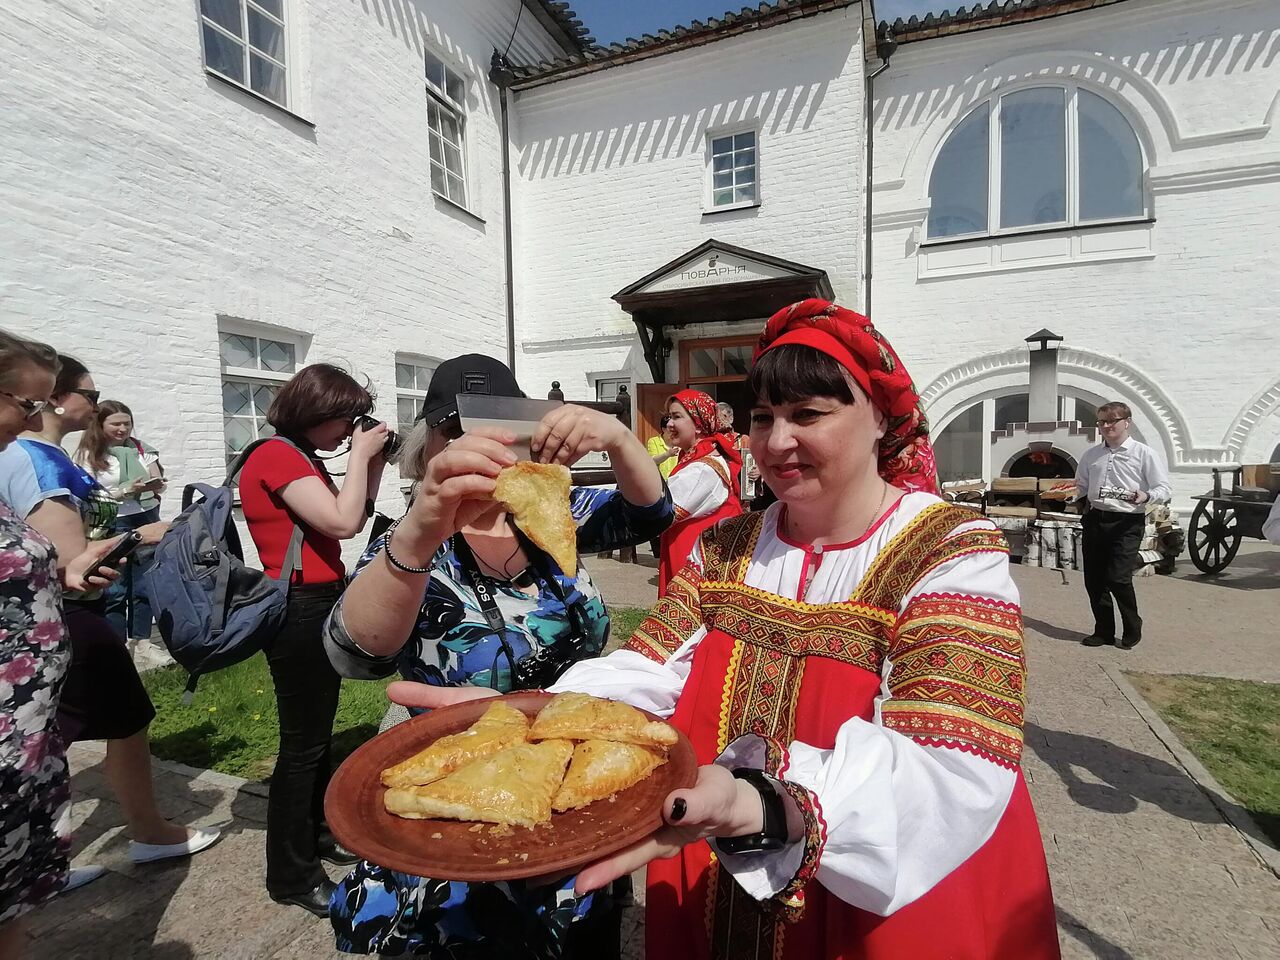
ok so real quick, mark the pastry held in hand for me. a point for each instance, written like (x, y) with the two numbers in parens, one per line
(579, 716)
(601, 768)
(514, 786)
(500, 726)
(537, 494)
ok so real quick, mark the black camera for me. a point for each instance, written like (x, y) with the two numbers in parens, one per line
(394, 442)
(544, 665)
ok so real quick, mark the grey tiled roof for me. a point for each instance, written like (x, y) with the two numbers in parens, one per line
(694, 34)
(570, 23)
(980, 16)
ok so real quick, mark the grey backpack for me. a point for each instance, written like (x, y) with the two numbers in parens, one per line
(212, 609)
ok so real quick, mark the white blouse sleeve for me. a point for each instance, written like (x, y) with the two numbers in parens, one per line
(901, 801)
(633, 677)
(697, 491)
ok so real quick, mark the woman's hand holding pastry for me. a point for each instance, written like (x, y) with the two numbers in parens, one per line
(458, 487)
(570, 432)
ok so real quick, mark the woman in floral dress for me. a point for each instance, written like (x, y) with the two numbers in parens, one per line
(33, 659)
(413, 606)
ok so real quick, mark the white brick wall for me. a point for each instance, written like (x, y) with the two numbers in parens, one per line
(1198, 320)
(144, 198)
(611, 170)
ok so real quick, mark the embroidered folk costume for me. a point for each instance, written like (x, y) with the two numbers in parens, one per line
(886, 696)
(703, 483)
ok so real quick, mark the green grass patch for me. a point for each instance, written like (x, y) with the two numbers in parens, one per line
(231, 726)
(1233, 727)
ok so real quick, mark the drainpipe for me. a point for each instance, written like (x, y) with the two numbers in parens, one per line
(501, 75)
(885, 47)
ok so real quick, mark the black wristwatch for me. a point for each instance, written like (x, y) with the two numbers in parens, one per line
(774, 835)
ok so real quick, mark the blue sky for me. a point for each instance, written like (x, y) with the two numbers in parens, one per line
(611, 20)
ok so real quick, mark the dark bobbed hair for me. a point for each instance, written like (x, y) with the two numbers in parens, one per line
(70, 372)
(317, 393)
(18, 352)
(793, 372)
(94, 445)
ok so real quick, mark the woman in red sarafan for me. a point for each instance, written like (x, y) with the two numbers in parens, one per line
(849, 666)
(704, 483)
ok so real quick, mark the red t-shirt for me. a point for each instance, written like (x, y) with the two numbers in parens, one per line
(270, 522)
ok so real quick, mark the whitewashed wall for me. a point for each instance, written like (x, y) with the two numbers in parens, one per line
(611, 172)
(144, 198)
(1186, 332)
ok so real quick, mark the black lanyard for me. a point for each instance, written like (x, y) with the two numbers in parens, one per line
(484, 587)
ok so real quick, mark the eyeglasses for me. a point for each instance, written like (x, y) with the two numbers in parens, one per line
(1107, 423)
(29, 407)
(90, 395)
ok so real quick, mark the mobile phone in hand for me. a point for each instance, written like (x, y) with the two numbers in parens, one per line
(128, 543)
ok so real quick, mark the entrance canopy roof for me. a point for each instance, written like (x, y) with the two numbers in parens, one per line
(715, 281)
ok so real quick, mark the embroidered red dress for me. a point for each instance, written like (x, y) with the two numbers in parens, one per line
(704, 492)
(888, 698)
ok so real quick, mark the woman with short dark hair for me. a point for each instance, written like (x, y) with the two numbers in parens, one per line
(284, 486)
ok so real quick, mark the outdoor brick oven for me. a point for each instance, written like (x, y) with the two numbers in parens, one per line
(1044, 447)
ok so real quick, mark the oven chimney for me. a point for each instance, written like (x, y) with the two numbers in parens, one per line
(1042, 402)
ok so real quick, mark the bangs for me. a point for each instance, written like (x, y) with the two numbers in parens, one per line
(791, 373)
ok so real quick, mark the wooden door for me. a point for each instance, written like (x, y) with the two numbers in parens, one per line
(651, 404)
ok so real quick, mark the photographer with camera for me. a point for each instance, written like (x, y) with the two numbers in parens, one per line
(285, 485)
(453, 596)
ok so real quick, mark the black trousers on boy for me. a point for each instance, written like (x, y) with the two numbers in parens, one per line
(1110, 548)
(307, 699)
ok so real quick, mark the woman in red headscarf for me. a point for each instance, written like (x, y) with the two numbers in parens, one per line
(848, 665)
(704, 484)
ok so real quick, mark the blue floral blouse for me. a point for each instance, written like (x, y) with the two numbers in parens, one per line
(452, 644)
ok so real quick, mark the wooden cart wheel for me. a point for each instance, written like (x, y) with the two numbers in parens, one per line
(1215, 535)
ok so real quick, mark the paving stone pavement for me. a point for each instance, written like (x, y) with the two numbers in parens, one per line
(1144, 866)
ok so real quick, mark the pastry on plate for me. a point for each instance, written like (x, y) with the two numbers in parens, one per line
(579, 716)
(513, 786)
(499, 727)
(601, 768)
(537, 494)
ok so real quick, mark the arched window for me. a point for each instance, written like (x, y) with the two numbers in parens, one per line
(1038, 157)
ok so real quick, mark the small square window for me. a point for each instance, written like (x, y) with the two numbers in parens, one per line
(245, 42)
(413, 376)
(253, 370)
(446, 126)
(733, 170)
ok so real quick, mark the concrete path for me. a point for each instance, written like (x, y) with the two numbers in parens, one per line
(1143, 864)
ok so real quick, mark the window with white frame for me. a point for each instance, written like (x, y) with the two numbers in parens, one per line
(1038, 157)
(253, 370)
(733, 170)
(413, 376)
(446, 124)
(607, 387)
(244, 42)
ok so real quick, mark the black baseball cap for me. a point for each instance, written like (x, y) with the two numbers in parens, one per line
(472, 373)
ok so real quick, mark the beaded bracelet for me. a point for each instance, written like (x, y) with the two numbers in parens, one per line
(391, 557)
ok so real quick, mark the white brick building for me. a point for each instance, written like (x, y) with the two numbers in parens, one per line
(275, 177)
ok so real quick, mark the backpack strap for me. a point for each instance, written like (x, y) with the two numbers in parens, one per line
(293, 553)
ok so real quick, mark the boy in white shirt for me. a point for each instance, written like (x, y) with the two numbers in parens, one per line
(1119, 477)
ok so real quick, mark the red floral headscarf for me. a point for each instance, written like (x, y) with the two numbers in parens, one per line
(702, 411)
(906, 456)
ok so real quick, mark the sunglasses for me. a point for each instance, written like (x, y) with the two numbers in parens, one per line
(28, 406)
(90, 395)
(1107, 423)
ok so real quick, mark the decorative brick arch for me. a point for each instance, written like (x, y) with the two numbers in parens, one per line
(1157, 416)
(1250, 418)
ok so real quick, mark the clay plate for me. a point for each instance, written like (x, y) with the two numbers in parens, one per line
(452, 850)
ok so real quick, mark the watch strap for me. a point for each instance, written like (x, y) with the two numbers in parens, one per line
(773, 836)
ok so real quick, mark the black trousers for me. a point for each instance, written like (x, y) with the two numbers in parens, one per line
(1111, 542)
(306, 687)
